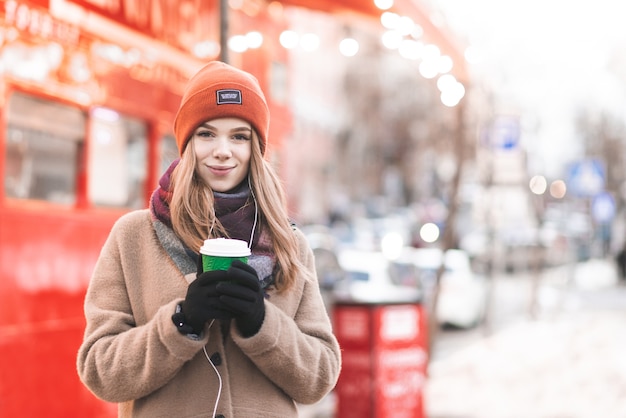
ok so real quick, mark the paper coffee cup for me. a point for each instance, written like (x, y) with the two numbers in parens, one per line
(219, 253)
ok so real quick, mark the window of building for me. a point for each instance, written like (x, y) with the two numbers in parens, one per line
(117, 160)
(44, 145)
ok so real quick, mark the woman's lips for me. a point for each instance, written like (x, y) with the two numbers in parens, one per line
(220, 171)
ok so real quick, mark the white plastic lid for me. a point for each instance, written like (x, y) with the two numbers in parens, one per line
(225, 247)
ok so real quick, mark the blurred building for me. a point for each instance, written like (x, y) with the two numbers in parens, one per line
(89, 90)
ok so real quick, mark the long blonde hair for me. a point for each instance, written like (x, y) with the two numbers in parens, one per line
(193, 213)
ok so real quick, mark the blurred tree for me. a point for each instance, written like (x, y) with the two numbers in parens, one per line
(395, 130)
(604, 137)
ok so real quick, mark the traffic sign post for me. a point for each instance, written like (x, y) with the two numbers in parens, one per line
(603, 208)
(503, 133)
(586, 178)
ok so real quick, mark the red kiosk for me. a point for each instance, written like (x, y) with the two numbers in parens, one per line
(385, 357)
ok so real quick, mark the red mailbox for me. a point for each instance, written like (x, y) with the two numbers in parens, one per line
(385, 356)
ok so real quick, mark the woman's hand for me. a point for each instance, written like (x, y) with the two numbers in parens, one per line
(202, 302)
(241, 295)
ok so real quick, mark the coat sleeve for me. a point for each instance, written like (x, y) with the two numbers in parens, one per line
(299, 353)
(119, 360)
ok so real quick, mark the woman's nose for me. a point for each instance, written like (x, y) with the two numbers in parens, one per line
(222, 148)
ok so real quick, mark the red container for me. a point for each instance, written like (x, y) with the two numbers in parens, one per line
(385, 356)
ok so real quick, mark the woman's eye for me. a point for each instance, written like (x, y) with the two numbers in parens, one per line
(241, 137)
(204, 134)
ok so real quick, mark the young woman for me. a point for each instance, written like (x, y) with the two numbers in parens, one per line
(163, 338)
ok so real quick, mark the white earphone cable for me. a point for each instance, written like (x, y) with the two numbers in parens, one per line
(256, 212)
(219, 378)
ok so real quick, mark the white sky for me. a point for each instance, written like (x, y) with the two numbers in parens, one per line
(544, 58)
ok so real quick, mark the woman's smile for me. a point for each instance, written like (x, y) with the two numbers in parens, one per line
(220, 171)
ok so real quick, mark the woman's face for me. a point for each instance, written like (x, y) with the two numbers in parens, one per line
(223, 149)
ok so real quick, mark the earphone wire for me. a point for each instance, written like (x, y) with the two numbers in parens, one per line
(219, 377)
(256, 216)
(256, 212)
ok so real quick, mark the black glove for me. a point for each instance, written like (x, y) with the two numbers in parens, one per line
(242, 295)
(202, 302)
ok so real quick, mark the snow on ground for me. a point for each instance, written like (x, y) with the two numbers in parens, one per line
(568, 364)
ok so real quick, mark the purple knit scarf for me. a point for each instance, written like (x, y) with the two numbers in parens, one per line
(159, 202)
(234, 210)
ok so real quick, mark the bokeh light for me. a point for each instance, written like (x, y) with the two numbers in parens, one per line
(390, 20)
(349, 47)
(410, 49)
(384, 4)
(289, 39)
(538, 184)
(238, 43)
(392, 39)
(391, 245)
(254, 39)
(429, 232)
(558, 189)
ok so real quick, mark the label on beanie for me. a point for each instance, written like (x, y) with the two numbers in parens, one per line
(229, 97)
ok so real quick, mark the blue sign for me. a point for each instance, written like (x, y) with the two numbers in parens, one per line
(586, 178)
(505, 133)
(603, 207)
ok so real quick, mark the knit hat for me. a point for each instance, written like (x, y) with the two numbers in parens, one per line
(219, 90)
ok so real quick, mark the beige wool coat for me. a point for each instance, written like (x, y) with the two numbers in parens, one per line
(133, 354)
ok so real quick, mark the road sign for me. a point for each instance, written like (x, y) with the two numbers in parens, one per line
(586, 178)
(505, 133)
(603, 207)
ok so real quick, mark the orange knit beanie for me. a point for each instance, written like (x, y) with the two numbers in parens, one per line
(219, 90)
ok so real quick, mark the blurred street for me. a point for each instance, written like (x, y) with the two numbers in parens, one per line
(567, 362)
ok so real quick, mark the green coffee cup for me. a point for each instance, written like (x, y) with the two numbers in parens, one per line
(219, 253)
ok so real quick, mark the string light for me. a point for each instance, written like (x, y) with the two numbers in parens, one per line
(349, 47)
(383, 4)
(289, 39)
(402, 34)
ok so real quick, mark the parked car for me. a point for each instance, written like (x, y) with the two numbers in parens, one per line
(329, 273)
(371, 277)
(463, 293)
